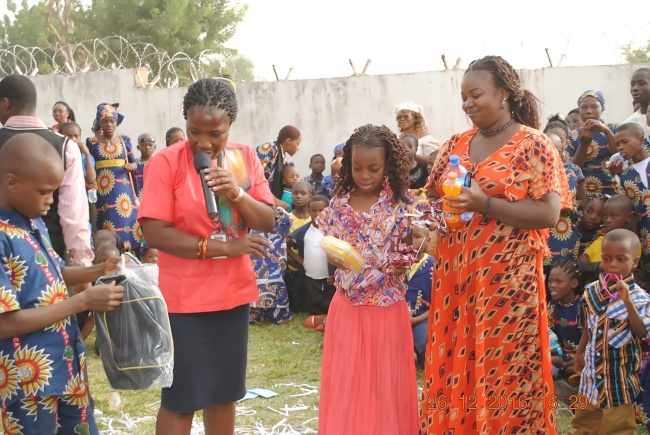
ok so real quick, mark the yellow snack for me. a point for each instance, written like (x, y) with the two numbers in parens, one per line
(343, 251)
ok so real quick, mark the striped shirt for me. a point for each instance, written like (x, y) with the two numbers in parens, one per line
(613, 354)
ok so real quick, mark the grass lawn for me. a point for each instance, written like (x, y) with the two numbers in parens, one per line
(284, 359)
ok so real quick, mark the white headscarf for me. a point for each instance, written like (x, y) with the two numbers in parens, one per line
(413, 107)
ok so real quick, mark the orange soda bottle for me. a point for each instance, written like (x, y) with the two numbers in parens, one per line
(451, 187)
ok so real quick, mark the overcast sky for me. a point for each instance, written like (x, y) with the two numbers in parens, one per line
(318, 37)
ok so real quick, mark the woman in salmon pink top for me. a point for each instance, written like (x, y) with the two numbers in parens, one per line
(206, 274)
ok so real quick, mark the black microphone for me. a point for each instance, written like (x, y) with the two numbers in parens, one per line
(203, 161)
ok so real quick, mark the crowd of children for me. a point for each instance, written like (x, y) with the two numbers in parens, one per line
(596, 272)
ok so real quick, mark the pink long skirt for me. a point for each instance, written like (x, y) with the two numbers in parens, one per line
(368, 384)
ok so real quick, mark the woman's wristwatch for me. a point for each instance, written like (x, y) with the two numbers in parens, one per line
(239, 196)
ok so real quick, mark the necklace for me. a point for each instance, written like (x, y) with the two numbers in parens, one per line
(498, 129)
(569, 304)
(111, 139)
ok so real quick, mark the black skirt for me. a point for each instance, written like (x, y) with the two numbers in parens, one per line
(210, 351)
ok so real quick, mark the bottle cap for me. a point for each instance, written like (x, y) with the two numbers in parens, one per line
(452, 176)
(454, 160)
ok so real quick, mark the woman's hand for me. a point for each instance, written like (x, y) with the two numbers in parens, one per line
(594, 125)
(130, 167)
(470, 199)
(583, 258)
(249, 244)
(586, 135)
(222, 181)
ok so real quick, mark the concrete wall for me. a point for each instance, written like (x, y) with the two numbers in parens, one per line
(325, 110)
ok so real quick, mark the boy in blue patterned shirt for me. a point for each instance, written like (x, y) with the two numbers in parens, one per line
(44, 385)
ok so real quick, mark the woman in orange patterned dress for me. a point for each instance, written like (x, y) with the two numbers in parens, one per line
(488, 362)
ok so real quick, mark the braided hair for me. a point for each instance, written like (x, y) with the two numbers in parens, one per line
(397, 173)
(570, 267)
(523, 104)
(168, 135)
(215, 92)
(556, 121)
(71, 116)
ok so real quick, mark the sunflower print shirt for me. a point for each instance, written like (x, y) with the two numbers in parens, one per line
(598, 179)
(564, 238)
(49, 361)
(639, 194)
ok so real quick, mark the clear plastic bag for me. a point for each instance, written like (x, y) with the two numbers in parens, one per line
(135, 341)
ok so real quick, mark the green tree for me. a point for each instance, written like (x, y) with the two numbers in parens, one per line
(636, 55)
(240, 68)
(156, 31)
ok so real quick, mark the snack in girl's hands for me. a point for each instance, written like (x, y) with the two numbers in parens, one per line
(344, 252)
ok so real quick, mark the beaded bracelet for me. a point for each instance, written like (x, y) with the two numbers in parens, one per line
(202, 248)
(487, 207)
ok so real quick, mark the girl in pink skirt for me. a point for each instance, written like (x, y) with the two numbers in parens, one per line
(368, 383)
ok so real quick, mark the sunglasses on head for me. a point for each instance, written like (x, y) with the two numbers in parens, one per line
(147, 139)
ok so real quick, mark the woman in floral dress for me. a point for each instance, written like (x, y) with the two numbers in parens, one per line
(116, 201)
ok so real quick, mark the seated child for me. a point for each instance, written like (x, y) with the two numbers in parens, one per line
(419, 280)
(418, 174)
(316, 179)
(564, 310)
(43, 361)
(431, 160)
(85, 318)
(330, 181)
(557, 129)
(318, 276)
(150, 255)
(616, 318)
(274, 300)
(591, 222)
(617, 214)
(556, 354)
(338, 150)
(300, 216)
(107, 237)
(563, 240)
(290, 176)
